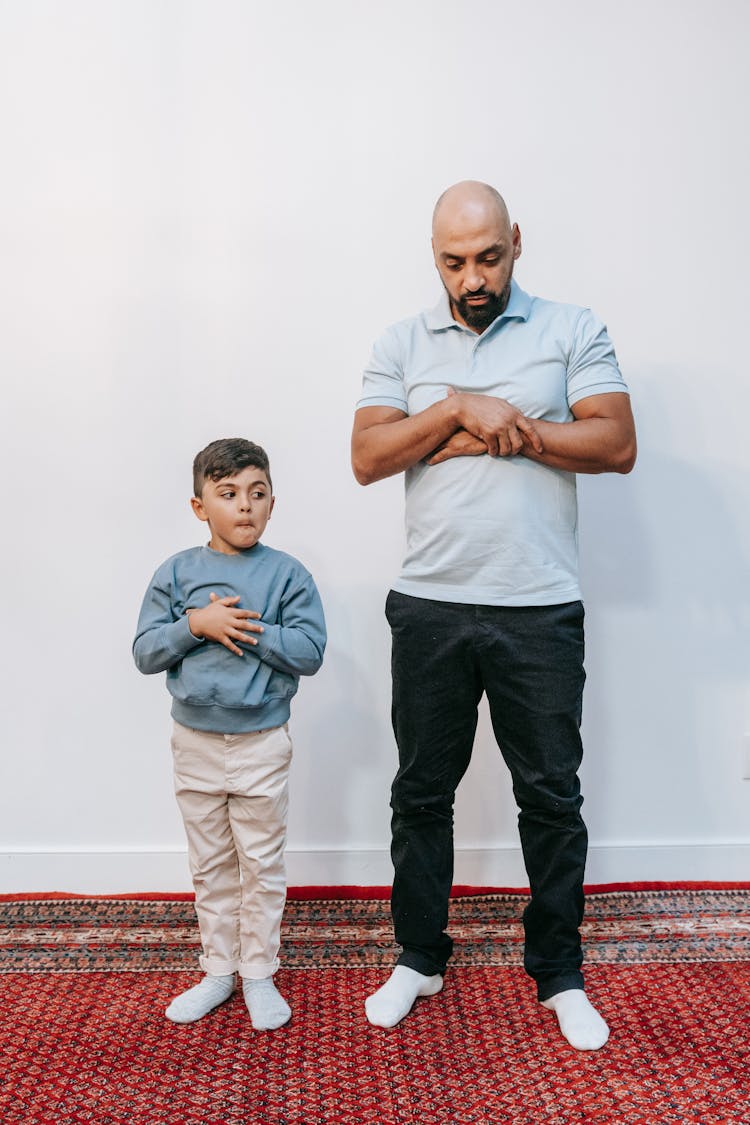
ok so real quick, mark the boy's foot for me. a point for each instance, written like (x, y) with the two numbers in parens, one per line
(199, 1001)
(389, 1005)
(579, 1020)
(267, 1007)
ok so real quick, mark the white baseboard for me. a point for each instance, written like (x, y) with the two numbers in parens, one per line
(128, 871)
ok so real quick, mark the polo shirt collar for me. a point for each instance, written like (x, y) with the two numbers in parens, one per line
(518, 308)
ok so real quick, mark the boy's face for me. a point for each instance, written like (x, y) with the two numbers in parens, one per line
(236, 508)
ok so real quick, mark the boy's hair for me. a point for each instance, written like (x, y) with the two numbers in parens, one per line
(224, 458)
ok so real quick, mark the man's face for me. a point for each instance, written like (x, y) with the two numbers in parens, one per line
(474, 254)
(236, 508)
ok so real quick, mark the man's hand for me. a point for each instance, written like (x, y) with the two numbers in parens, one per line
(222, 621)
(461, 444)
(501, 427)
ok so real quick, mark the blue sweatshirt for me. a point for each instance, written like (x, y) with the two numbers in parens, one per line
(212, 688)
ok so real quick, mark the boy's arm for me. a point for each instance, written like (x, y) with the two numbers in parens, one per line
(296, 644)
(160, 640)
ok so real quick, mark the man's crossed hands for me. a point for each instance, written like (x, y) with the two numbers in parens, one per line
(488, 425)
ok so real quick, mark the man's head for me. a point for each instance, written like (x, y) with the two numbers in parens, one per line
(233, 493)
(475, 246)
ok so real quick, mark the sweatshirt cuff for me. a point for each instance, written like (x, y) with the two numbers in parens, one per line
(181, 640)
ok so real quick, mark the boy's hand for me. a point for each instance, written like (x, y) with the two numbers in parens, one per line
(222, 621)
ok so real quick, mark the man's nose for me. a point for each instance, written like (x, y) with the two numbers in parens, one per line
(473, 278)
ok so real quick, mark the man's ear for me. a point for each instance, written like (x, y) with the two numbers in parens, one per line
(197, 505)
(516, 233)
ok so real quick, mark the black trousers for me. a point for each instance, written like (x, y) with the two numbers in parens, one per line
(529, 661)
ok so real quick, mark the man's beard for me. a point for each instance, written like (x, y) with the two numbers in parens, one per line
(482, 317)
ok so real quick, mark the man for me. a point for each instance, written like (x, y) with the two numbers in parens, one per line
(491, 403)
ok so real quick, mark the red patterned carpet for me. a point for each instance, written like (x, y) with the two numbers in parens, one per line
(85, 981)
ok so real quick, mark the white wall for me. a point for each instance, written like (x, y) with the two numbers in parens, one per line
(208, 211)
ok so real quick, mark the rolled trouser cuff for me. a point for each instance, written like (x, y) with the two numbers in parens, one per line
(217, 966)
(258, 971)
(427, 966)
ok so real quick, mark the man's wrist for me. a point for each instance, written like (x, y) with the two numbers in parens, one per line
(453, 405)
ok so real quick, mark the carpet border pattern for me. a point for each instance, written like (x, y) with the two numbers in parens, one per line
(159, 934)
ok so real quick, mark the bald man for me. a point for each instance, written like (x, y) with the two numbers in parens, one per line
(490, 403)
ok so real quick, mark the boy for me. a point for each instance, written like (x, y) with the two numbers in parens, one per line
(235, 624)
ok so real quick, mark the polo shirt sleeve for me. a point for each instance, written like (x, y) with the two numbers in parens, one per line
(592, 364)
(383, 379)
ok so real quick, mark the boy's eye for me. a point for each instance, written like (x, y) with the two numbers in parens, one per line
(259, 496)
(227, 495)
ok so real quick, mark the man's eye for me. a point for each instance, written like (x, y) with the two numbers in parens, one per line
(492, 261)
(453, 265)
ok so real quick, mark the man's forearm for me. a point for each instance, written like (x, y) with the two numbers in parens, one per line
(586, 445)
(387, 442)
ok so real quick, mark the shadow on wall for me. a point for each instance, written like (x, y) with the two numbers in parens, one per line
(664, 556)
(349, 754)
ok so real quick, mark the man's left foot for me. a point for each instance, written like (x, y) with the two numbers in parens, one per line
(579, 1020)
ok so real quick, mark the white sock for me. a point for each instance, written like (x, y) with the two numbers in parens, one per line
(579, 1021)
(200, 1000)
(267, 1007)
(389, 1005)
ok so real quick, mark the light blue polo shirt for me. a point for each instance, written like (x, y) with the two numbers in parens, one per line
(493, 530)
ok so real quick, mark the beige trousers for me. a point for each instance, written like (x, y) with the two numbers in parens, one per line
(232, 790)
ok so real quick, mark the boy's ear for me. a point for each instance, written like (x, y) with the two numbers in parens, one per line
(273, 501)
(197, 505)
